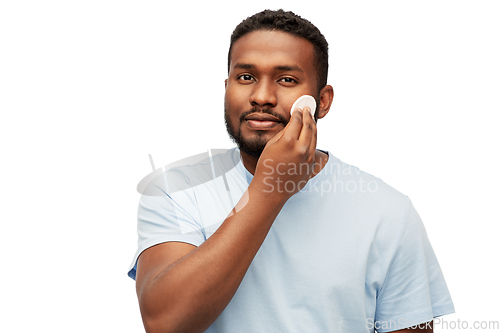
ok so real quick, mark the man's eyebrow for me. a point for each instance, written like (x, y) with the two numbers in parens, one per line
(244, 66)
(289, 69)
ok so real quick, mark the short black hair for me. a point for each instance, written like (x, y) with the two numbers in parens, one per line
(293, 24)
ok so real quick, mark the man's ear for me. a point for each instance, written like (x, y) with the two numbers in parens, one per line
(325, 100)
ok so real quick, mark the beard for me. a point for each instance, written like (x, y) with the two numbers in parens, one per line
(255, 145)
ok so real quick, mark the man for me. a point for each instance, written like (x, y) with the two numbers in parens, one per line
(311, 245)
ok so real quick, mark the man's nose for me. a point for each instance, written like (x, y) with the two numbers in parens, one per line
(263, 94)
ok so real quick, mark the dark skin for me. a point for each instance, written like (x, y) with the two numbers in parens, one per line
(267, 70)
(272, 69)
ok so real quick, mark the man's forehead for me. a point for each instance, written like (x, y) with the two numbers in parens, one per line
(286, 51)
(278, 68)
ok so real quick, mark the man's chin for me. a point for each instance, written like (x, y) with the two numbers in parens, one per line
(252, 148)
(252, 143)
(251, 152)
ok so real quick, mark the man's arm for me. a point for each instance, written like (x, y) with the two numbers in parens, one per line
(182, 288)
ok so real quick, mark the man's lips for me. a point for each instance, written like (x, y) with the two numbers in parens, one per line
(261, 121)
(261, 125)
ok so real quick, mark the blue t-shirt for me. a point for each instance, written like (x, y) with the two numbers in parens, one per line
(347, 253)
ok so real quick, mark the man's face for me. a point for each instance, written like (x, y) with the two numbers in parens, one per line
(268, 71)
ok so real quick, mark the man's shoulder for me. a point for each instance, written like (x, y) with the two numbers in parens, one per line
(350, 180)
(189, 172)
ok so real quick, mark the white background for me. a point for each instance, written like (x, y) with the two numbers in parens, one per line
(89, 88)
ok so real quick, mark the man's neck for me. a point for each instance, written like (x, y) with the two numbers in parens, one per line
(250, 162)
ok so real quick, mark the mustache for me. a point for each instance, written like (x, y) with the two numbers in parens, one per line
(264, 110)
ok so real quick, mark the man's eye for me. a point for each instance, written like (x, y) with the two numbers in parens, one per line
(288, 80)
(245, 77)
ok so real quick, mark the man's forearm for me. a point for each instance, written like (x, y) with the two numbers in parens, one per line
(188, 295)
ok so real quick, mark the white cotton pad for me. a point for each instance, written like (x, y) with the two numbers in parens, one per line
(303, 101)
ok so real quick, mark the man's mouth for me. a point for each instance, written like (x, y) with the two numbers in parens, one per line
(262, 121)
(262, 125)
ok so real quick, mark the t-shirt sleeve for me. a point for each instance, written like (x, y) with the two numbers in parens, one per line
(414, 290)
(163, 217)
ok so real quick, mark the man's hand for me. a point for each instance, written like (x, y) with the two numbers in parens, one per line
(287, 162)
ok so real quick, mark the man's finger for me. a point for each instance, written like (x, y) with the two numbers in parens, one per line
(308, 131)
(294, 126)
